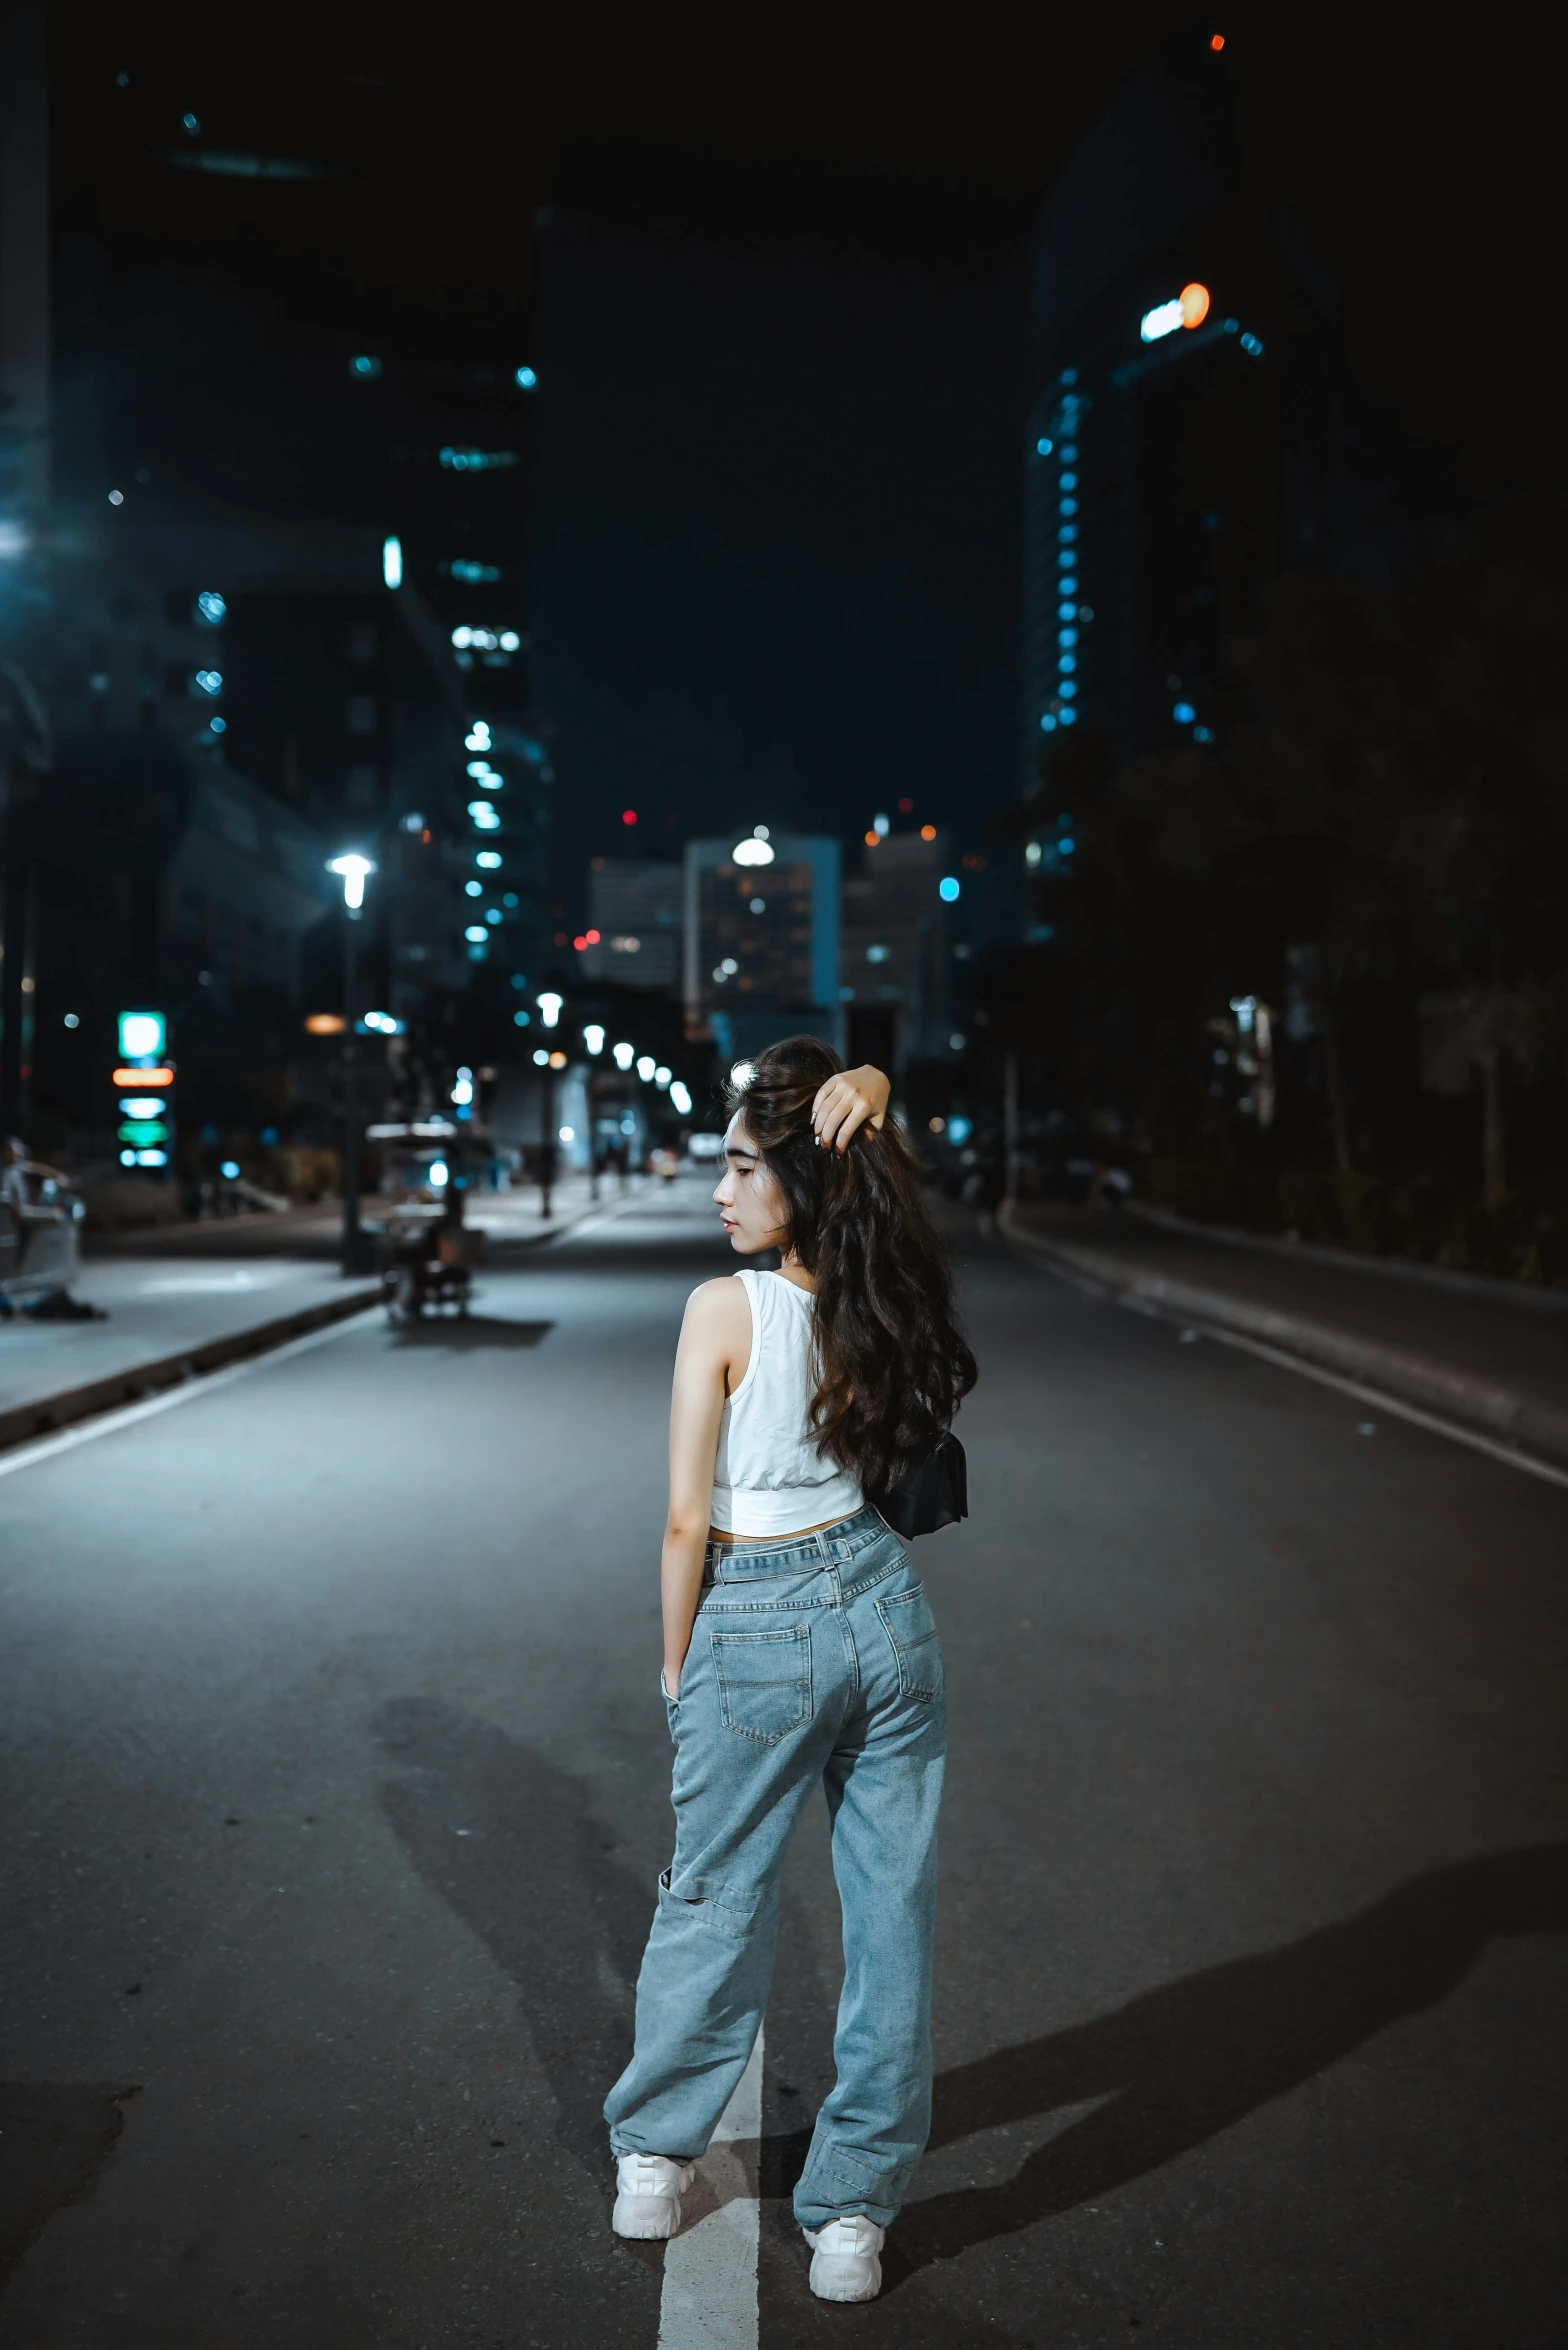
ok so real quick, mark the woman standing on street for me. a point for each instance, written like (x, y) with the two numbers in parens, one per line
(798, 1649)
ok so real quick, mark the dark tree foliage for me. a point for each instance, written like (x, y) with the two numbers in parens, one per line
(1387, 808)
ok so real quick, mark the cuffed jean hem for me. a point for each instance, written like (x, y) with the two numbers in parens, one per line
(838, 2181)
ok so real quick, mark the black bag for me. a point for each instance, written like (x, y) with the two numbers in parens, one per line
(934, 1493)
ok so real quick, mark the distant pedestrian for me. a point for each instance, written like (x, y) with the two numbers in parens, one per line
(799, 1649)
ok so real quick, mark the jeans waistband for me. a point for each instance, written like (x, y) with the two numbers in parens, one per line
(783, 1554)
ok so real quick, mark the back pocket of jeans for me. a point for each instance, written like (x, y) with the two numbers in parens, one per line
(764, 1681)
(910, 1626)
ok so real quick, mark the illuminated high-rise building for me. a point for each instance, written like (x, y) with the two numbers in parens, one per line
(1183, 444)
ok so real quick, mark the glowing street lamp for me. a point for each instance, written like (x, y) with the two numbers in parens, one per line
(646, 1065)
(593, 1038)
(623, 1055)
(550, 1008)
(351, 871)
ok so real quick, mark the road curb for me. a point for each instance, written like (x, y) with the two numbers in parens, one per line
(1498, 1412)
(48, 1413)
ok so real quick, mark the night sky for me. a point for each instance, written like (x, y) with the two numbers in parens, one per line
(781, 340)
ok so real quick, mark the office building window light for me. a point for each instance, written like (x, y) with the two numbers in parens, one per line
(477, 460)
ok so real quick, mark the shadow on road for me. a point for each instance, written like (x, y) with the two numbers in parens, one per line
(1191, 2059)
(462, 1332)
(510, 1843)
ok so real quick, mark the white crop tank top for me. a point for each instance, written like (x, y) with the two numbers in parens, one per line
(769, 1477)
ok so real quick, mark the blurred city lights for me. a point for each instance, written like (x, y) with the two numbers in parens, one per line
(661, 1077)
(541, 1058)
(645, 1067)
(142, 1036)
(476, 933)
(628, 815)
(487, 859)
(756, 851)
(211, 609)
(928, 832)
(526, 380)
(440, 1174)
(1194, 305)
(593, 1037)
(881, 826)
(567, 1134)
(947, 889)
(364, 367)
(550, 1006)
(392, 562)
(477, 737)
(557, 1060)
(623, 1055)
(680, 1098)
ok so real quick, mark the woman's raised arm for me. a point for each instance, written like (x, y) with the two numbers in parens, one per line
(847, 1102)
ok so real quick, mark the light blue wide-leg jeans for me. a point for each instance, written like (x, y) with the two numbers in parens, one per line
(814, 1660)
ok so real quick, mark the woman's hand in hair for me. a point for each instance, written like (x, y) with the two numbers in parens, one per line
(848, 1102)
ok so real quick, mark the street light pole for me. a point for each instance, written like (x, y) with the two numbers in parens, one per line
(352, 870)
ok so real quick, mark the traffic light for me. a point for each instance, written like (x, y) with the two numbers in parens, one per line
(144, 1083)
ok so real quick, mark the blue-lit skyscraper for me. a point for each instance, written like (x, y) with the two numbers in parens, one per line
(1182, 446)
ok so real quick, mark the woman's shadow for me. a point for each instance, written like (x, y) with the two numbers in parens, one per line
(540, 1880)
(1182, 2063)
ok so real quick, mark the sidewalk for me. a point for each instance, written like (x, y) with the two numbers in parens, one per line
(188, 1299)
(1466, 1356)
(315, 1232)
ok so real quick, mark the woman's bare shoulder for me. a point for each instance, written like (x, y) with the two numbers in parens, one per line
(718, 1303)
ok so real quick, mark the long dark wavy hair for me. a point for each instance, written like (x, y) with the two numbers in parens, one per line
(890, 1362)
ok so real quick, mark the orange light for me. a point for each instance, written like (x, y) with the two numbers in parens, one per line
(1216, 40)
(325, 1024)
(558, 1060)
(1194, 305)
(872, 838)
(150, 1078)
(928, 832)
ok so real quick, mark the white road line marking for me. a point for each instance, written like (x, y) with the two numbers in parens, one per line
(26, 1456)
(710, 2271)
(1511, 1457)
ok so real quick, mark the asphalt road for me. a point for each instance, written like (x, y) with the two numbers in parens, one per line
(336, 1786)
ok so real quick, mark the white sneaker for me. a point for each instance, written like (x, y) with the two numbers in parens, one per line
(648, 2191)
(846, 2259)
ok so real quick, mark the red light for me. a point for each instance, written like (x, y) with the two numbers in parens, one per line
(628, 815)
(1217, 41)
(906, 807)
(560, 938)
(579, 944)
(592, 936)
